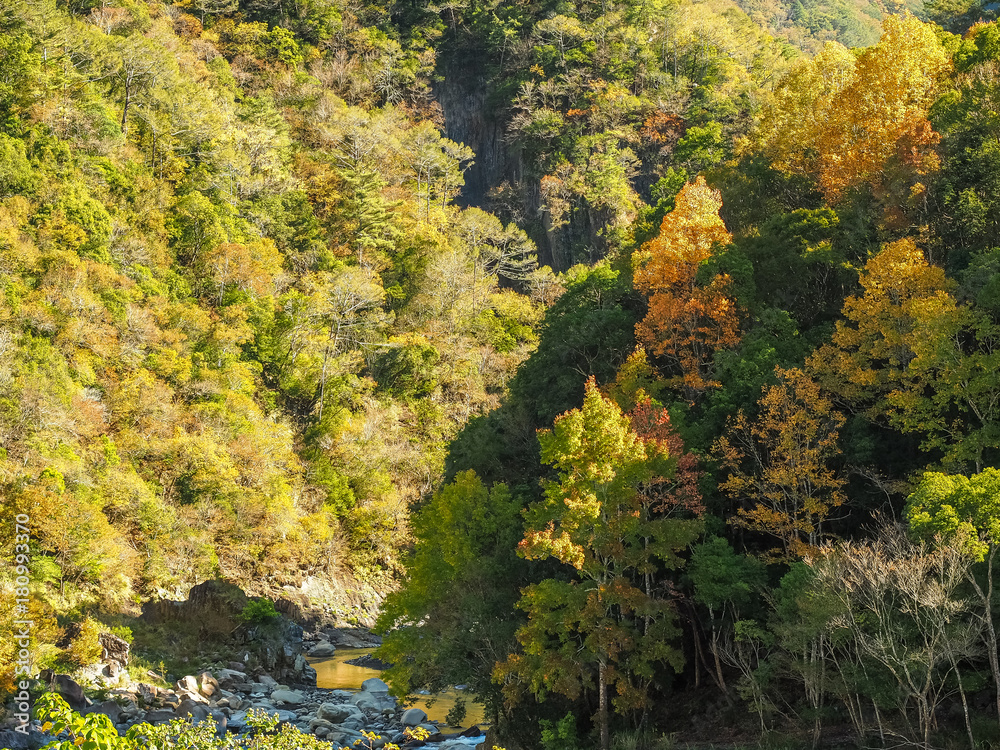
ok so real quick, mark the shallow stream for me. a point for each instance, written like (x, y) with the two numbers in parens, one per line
(336, 674)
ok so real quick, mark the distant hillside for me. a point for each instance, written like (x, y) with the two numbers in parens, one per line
(808, 24)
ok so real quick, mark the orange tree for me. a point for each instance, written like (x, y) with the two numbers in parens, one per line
(687, 321)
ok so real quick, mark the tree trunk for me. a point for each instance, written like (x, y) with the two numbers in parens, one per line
(125, 112)
(965, 703)
(991, 633)
(602, 710)
(986, 597)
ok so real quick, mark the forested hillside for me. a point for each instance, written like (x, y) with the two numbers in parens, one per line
(641, 348)
(242, 315)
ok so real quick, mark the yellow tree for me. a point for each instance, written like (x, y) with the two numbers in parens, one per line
(844, 119)
(907, 354)
(687, 322)
(800, 107)
(596, 518)
(780, 465)
(894, 84)
(873, 347)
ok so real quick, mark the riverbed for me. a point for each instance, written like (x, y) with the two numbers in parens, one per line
(336, 674)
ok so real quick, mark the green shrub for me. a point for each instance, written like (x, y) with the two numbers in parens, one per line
(96, 732)
(85, 649)
(258, 611)
(560, 735)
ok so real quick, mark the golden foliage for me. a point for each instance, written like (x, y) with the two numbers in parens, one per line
(779, 465)
(842, 119)
(687, 322)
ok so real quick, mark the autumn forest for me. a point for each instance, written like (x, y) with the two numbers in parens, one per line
(633, 362)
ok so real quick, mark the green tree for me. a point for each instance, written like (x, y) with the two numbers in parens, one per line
(964, 511)
(596, 519)
(450, 620)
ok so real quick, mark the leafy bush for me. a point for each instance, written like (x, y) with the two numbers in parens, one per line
(85, 649)
(258, 611)
(96, 732)
(560, 735)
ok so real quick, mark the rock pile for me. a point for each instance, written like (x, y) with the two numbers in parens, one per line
(225, 696)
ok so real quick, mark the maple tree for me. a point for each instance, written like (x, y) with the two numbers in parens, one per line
(780, 464)
(595, 519)
(687, 321)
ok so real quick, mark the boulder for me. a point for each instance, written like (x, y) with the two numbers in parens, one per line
(170, 700)
(221, 723)
(71, 691)
(147, 694)
(207, 684)
(292, 697)
(267, 681)
(375, 686)
(196, 697)
(130, 711)
(413, 716)
(187, 684)
(228, 677)
(322, 649)
(109, 708)
(335, 713)
(159, 716)
(285, 715)
(114, 650)
(194, 709)
(366, 701)
(350, 640)
(238, 720)
(11, 740)
(319, 723)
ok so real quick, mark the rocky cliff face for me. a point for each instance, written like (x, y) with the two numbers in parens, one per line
(470, 119)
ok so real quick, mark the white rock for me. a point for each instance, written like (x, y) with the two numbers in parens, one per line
(323, 648)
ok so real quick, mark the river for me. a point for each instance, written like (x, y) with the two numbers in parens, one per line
(336, 674)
